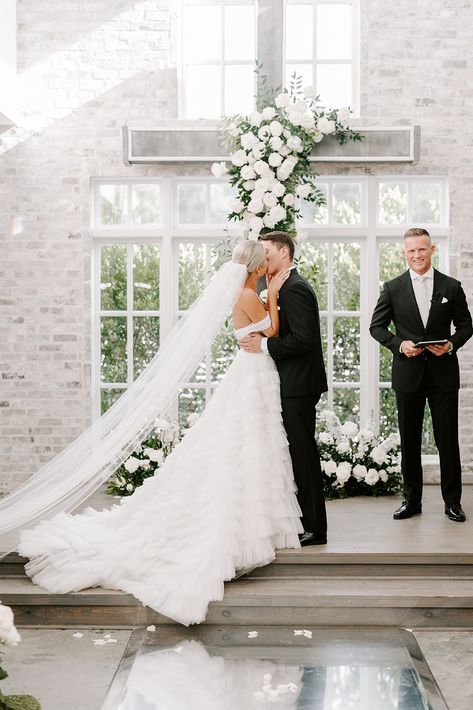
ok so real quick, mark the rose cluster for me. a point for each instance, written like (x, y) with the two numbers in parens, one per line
(355, 461)
(270, 152)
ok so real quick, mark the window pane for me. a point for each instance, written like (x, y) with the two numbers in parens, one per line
(221, 195)
(202, 92)
(385, 363)
(108, 397)
(239, 32)
(334, 85)
(112, 204)
(145, 277)
(299, 34)
(346, 404)
(239, 89)
(191, 204)
(346, 349)
(392, 203)
(391, 261)
(113, 349)
(202, 33)
(304, 71)
(312, 265)
(191, 273)
(113, 277)
(334, 29)
(311, 214)
(426, 203)
(346, 277)
(145, 204)
(224, 349)
(191, 401)
(145, 342)
(346, 203)
(323, 335)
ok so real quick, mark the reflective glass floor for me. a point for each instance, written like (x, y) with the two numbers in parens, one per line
(236, 668)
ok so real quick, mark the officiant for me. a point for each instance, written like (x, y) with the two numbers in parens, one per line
(423, 304)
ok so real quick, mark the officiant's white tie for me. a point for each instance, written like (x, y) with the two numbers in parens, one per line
(423, 299)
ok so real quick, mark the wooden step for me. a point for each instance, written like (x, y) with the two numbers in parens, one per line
(325, 601)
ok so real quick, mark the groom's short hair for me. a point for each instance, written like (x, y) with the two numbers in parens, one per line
(416, 232)
(281, 239)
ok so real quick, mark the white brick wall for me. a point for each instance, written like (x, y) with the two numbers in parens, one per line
(85, 69)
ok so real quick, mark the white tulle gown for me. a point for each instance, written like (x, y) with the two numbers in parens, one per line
(223, 501)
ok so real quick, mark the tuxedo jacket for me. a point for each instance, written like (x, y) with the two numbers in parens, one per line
(397, 304)
(297, 350)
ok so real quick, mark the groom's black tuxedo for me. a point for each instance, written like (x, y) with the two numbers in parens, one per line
(426, 376)
(297, 352)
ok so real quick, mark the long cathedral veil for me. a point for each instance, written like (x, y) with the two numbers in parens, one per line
(69, 479)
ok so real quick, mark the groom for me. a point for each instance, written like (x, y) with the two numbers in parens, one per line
(297, 352)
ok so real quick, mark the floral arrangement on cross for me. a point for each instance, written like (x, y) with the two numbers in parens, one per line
(270, 155)
(9, 636)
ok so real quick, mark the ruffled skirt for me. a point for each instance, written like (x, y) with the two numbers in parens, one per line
(222, 502)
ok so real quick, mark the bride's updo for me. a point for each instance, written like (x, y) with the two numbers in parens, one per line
(249, 253)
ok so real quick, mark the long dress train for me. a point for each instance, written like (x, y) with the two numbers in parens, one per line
(223, 501)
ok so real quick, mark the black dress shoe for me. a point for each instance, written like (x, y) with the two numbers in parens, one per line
(310, 538)
(455, 512)
(407, 510)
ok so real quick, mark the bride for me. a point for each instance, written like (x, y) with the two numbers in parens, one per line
(222, 502)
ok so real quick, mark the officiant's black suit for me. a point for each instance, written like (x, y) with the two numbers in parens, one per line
(297, 352)
(425, 377)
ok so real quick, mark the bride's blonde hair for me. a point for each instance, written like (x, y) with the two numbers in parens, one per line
(249, 253)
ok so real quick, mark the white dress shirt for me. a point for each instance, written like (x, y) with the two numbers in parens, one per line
(264, 342)
(423, 289)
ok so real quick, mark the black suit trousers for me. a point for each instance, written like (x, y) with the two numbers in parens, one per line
(444, 411)
(298, 415)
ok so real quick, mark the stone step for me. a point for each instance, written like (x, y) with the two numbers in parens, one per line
(325, 601)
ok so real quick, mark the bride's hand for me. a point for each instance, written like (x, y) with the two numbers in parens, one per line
(277, 282)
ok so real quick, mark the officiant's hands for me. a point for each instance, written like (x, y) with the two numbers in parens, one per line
(409, 349)
(440, 349)
(251, 343)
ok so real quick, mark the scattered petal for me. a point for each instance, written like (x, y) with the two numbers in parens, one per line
(77, 635)
(178, 649)
(152, 627)
(108, 636)
(111, 640)
(307, 633)
(99, 642)
(252, 634)
(298, 632)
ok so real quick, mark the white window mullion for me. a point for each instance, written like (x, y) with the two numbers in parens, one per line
(369, 356)
(330, 325)
(95, 339)
(129, 313)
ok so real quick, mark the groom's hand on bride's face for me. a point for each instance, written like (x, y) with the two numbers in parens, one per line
(251, 343)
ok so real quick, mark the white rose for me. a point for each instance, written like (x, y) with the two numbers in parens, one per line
(8, 633)
(349, 428)
(251, 159)
(277, 213)
(283, 100)
(261, 185)
(304, 190)
(256, 224)
(343, 115)
(129, 487)
(307, 120)
(343, 472)
(260, 167)
(343, 447)
(295, 118)
(249, 185)
(276, 128)
(295, 143)
(268, 113)
(330, 467)
(248, 140)
(278, 188)
(219, 169)
(239, 158)
(301, 106)
(263, 133)
(292, 160)
(378, 454)
(276, 143)
(132, 464)
(289, 199)
(284, 150)
(257, 152)
(255, 206)
(359, 471)
(366, 435)
(155, 455)
(247, 172)
(383, 475)
(324, 125)
(275, 160)
(256, 118)
(310, 92)
(372, 477)
(325, 437)
(283, 174)
(269, 221)
(236, 205)
(318, 137)
(270, 199)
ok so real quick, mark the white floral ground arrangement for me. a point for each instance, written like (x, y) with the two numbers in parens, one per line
(356, 461)
(148, 456)
(269, 155)
(9, 636)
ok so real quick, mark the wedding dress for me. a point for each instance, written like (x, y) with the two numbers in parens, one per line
(222, 502)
